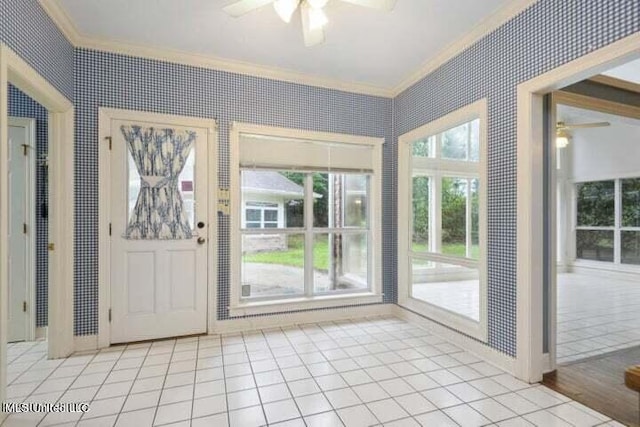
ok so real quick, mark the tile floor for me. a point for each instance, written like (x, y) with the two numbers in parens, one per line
(382, 371)
(596, 315)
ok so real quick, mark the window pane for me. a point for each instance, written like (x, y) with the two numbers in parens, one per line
(274, 199)
(340, 262)
(321, 200)
(271, 215)
(186, 185)
(630, 247)
(596, 203)
(447, 286)
(340, 200)
(474, 141)
(272, 265)
(454, 143)
(475, 219)
(424, 147)
(594, 245)
(134, 186)
(631, 202)
(454, 216)
(356, 200)
(253, 215)
(421, 191)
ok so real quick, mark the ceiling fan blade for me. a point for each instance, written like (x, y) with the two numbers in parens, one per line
(374, 4)
(587, 125)
(241, 7)
(313, 36)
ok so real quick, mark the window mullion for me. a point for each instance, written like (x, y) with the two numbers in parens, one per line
(436, 212)
(617, 235)
(308, 235)
(468, 221)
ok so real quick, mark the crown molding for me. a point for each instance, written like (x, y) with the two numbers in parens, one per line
(64, 22)
(485, 27)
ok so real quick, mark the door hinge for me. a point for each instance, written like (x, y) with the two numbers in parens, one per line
(109, 315)
(25, 149)
(51, 247)
(24, 228)
(24, 306)
(109, 229)
(108, 138)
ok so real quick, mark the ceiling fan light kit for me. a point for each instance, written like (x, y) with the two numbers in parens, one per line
(285, 9)
(312, 13)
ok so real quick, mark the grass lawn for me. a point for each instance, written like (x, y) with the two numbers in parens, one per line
(294, 257)
(457, 249)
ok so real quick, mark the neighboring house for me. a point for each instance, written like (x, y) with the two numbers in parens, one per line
(265, 195)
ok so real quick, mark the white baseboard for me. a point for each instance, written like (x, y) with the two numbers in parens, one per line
(483, 351)
(41, 333)
(288, 319)
(612, 271)
(85, 343)
(90, 342)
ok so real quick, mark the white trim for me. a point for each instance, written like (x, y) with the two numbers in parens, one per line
(477, 110)
(530, 250)
(474, 346)
(282, 320)
(105, 116)
(304, 303)
(85, 343)
(238, 128)
(605, 269)
(29, 124)
(484, 28)
(15, 70)
(488, 25)
(41, 333)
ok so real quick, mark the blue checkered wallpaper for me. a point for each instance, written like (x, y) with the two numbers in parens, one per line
(118, 81)
(27, 29)
(548, 34)
(20, 105)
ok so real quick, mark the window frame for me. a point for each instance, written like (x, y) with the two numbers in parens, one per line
(240, 307)
(443, 168)
(617, 228)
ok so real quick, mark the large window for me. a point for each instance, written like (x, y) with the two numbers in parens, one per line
(608, 221)
(442, 246)
(309, 222)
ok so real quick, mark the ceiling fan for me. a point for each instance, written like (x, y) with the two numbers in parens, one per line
(563, 134)
(313, 17)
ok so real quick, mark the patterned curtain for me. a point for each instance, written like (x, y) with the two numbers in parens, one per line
(159, 155)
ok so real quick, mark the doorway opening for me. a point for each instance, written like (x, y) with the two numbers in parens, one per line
(593, 229)
(53, 305)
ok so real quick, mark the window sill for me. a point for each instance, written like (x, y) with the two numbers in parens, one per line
(304, 303)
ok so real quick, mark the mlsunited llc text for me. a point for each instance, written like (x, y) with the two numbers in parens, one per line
(16, 407)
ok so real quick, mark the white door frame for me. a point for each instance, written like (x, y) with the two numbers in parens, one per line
(530, 163)
(16, 71)
(105, 116)
(29, 124)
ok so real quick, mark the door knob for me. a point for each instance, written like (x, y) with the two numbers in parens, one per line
(201, 240)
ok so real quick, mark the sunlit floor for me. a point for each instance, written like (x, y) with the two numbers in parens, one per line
(596, 315)
(382, 371)
(461, 297)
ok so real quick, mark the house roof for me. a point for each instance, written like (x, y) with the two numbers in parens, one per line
(270, 182)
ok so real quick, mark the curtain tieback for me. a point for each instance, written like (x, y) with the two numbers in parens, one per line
(156, 181)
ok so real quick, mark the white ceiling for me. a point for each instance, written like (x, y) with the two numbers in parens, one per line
(362, 45)
(629, 72)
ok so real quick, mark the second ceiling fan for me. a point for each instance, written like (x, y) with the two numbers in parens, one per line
(311, 11)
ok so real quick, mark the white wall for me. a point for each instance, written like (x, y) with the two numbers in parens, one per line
(602, 153)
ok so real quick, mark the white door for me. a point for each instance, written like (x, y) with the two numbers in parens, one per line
(159, 230)
(18, 228)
